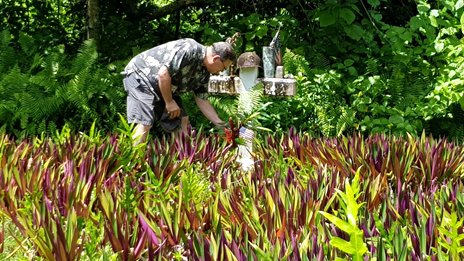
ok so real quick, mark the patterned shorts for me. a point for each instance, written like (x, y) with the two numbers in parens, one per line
(144, 105)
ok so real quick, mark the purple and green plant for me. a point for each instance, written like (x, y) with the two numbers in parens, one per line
(186, 197)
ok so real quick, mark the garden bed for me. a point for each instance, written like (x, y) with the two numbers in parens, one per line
(88, 197)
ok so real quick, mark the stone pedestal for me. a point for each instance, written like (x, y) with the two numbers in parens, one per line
(228, 85)
(279, 87)
(224, 85)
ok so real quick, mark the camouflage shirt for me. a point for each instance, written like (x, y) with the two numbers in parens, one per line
(184, 60)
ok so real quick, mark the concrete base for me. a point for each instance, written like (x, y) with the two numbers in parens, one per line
(224, 85)
(278, 87)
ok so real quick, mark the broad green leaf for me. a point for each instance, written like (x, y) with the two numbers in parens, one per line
(416, 23)
(327, 19)
(261, 30)
(423, 7)
(396, 119)
(356, 239)
(374, 3)
(461, 102)
(354, 31)
(352, 70)
(348, 15)
(407, 36)
(348, 62)
(435, 13)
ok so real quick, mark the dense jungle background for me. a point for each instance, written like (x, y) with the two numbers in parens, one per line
(373, 66)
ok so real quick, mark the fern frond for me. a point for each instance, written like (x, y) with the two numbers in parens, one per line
(86, 58)
(372, 67)
(8, 58)
(396, 85)
(345, 121)
(27, 43)
(420, 86)
(295, 63)
(42, 108)
(224, 105)
(42, 128)
(54, 64)
(13, 83)
(320, 61)
(249, 100)
(37, 62)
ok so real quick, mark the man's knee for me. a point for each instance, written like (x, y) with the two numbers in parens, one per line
(141, 132)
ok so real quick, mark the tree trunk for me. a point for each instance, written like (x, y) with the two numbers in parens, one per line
(93, 16)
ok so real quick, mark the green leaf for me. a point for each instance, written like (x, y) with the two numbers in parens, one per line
(358, 244)
(341, 224)
(352, 70)
(435, 13)
(407, 36)
(433, 21)
(354, 31)
(459, 4)
(416, 23)
(348, 62)
(423, 7)
(348, 15)
(262, 255)
(396, 119)
(462, 22)
(439, 47)
(327, 19)
(261, 30)
(374, 3)
(343, 245)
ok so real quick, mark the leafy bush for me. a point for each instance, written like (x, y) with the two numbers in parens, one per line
(41, 92)
(362, 74)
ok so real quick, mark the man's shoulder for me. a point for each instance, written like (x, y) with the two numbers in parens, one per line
(188, 42)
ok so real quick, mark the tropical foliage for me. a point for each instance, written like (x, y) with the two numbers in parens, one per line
(43, 91)
(360, 66)
(90, 197)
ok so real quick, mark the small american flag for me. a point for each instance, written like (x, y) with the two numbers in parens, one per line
(246, 134)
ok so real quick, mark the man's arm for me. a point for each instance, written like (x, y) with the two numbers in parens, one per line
(165, 88)
(208, 110)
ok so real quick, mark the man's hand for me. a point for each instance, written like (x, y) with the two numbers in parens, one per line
(165, 87)
(208, 110)
(173, 109)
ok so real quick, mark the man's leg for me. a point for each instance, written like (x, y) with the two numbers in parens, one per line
(184, 123)
(140, 133)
